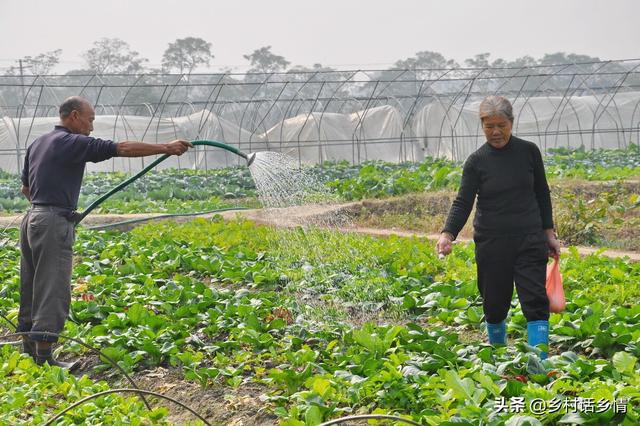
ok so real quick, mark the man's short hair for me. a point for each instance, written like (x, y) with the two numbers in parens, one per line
(74, 103)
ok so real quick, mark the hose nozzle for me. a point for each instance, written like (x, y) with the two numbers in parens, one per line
(250, 157)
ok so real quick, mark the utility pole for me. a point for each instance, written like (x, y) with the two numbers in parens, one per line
(21, 78)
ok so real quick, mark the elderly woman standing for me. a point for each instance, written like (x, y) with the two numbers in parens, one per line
(513, 225)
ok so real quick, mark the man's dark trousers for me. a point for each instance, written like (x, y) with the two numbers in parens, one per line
(46, 242)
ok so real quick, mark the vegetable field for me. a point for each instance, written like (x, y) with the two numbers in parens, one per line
(300, 326)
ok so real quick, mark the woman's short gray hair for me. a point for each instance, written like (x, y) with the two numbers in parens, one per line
(496, 105)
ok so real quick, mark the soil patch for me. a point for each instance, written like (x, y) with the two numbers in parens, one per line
(218, 404)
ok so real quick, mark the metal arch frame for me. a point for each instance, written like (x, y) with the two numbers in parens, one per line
(560, 109)
(464, 102)
(51, 92)
(569, 102)
(210, 113)
(22, 108)
(420, 96)
(166, 99)
(535, 116)
(527, 98)
(178, 112)
(611, 97)
(311, 113)
(253, 95)
(548, 97)
(570, 97)
(354, 138)
(115, 122)
(288, 110)
(509, 78)
(49, 107)
(406, 121)
(222, 106)
(234, 111)
(91, 77)
(356, 101)
(17, 144)
(255, 114)
(293, 99)
(400, 108)
(413, 109)
(105, 107)
(318, 122)
(218, 85)
(469, 84)
(33, 119)
(361, 118)
(440, 102)
(635, 109)
(590, 90)
(264, 116)
(458, 86)
(331, 99)
(175, 115)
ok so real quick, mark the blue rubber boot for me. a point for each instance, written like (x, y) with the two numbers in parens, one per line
(537, 334)
(497, 333)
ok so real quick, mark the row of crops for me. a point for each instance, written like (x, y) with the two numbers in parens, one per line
(354, 325)
(596, 194)
(189, 190)
(320, 324)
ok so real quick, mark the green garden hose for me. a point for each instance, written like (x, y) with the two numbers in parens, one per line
(80, 216)
(162, 216)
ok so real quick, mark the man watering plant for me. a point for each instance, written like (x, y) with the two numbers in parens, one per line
(513, 225)
(52, 175)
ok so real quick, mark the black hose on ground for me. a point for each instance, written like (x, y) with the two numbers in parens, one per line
(162, 216)
(369, 416)
(86, 345)
(123, 390)
(141, 392)
(15, 326)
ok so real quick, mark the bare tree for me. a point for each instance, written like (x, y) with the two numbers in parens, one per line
(426, 60)
(263, 60)
(186, 54)
(41, 64)
(481, 60)
(112, 55)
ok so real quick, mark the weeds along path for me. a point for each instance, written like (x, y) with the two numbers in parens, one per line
(318, 215)
(295, 216)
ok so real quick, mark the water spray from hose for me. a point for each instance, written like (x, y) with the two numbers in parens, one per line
(250, 157)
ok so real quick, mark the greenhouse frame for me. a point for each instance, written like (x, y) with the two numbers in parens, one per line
(393, 115)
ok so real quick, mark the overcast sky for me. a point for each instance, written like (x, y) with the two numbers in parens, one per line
(338, 33)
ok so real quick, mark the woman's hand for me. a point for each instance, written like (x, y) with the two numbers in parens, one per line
(444, 244)
(553, 243)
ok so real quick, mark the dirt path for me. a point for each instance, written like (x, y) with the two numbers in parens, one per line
(320, 215)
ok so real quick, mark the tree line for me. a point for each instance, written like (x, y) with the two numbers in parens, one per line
(187, 55)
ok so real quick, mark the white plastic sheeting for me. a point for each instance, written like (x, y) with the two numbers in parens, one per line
(372, 134)
(316, 137)
(551, 122)
(16, 135)
(438, 129)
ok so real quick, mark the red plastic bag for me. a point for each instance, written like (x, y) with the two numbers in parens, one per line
(555, 292)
